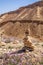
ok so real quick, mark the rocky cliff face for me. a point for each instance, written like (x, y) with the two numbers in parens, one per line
(29, 18)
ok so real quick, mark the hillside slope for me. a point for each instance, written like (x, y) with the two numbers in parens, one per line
(30, 12)
(15, 23)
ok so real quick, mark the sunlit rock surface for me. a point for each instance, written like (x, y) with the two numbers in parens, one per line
(13, 26)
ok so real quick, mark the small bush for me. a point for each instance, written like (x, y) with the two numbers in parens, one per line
(42, 45)
(10, 47)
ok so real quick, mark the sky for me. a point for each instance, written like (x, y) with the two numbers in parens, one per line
(10, 5)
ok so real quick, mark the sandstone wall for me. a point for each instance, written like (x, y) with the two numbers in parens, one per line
(18, 28)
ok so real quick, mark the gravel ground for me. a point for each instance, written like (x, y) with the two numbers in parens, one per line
(9, 57)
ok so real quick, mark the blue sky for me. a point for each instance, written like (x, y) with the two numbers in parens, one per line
(10, 5)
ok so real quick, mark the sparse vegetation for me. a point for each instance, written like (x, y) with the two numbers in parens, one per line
(42, 45)
(10, 47)
(26, 21)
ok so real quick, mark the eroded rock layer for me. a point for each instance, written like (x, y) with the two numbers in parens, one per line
(29, 18)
